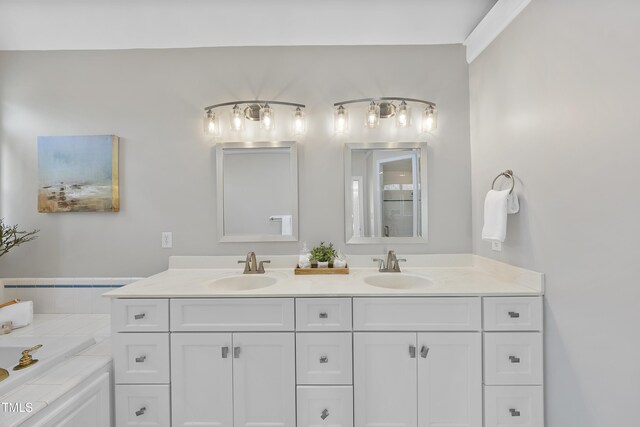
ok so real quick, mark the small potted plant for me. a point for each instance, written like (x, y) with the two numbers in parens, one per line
(11, 237)
(322, 255)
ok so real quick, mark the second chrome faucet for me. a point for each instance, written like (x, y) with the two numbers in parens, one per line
(392, 264)
(251, 266)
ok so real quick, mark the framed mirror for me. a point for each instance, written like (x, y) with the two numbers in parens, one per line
(257, 192)
(385, 193)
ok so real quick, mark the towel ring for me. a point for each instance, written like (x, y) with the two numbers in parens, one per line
(509, 174)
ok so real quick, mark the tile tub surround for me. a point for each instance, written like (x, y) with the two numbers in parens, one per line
(453, 275)
(64, 295)
(44, 390)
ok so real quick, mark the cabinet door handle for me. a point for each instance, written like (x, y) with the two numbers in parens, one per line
(323, 315)
(324, 359)
(225, 352)
(412, 351)
(514, 412)
(514, 359)
(139, 316)
(141, 411)
(141, 359)
(424, 351)
(324, 414)
(236, 352)
(514, 314)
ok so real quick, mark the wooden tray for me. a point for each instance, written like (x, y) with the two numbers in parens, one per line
(316, 270)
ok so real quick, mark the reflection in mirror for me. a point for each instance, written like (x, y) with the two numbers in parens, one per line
(257, 192)
(384, 193)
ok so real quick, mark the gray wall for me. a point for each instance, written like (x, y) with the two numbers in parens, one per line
(555, 98)
(153, 100)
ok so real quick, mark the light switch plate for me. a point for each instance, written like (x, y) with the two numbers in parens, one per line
(496, 246)
(167, 239)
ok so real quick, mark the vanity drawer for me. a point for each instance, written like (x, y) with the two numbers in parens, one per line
(232, 314)
(513, 314)
(513, 358)
(323, 314)
(142, 405)
(140, 315)
(416, 314)
(324, 358)
(141, 358)
(513, 406)
(325, 406)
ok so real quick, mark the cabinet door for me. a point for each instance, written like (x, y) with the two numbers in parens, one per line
(201, 384)
(264, 379)
(449, 379)
(385, 379)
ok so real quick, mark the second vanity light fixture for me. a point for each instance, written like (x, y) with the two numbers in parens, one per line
(254, 111)
(383, 108)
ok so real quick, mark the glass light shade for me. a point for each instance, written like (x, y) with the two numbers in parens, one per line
(372, 119)
(403, 115)
(237, 119)
(299, 124)
(429, 119)
(212, 124)
(341, 120)
(266, 118)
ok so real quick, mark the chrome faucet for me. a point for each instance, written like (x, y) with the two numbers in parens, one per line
(391, 266)
(251, 266)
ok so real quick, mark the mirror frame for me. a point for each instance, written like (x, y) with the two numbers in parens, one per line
(348, 199)
(220, 191)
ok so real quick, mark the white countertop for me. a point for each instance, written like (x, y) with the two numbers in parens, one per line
(450, 275)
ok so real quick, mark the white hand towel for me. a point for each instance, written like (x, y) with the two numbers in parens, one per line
(287, 223)
(21, 314)
(497, 205)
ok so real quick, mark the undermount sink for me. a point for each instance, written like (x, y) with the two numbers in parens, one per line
(243, 283)
(398, 281)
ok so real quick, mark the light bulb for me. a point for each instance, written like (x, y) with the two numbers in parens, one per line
(429, 119)
(211, 124)
(299, 125)
(372, 119)
(237, 119)
(341, 120)
(403, 115)
(266, 118)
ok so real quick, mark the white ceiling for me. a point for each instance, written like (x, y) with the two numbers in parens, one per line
(129, 24)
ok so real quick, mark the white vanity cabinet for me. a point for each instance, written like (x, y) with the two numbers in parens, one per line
(346, 361)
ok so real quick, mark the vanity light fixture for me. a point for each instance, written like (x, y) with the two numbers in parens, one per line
(212, 124)
(298, 122)
(429, 119)
(341, 120)
(255, 111)
(384, 108)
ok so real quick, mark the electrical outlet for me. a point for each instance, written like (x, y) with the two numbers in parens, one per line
(496, 246)
(167, 239)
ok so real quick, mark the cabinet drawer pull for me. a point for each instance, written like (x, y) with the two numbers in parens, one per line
(514, 359)
(424, 351)
(324, 359)
(412, 351)
(225, 352)
(514, 413)
(323, 315)
(139, 316)
(141, 411)
(514, 314)
(236, 352)
(141, 359)
(324, 415)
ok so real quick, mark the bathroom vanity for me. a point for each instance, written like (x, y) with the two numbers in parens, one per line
(452, 345)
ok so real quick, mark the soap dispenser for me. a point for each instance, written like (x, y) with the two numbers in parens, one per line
(304, 260)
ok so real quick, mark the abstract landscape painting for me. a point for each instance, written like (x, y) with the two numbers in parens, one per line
(78, 174)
